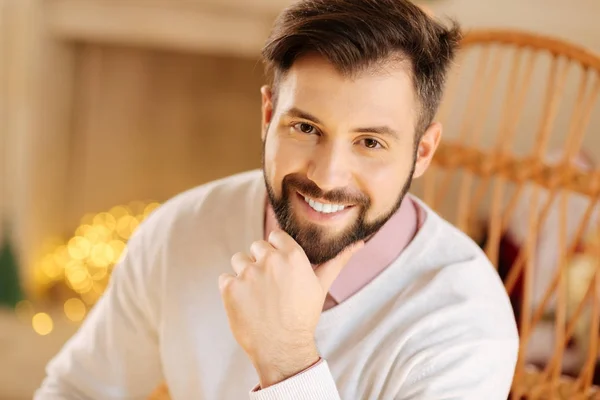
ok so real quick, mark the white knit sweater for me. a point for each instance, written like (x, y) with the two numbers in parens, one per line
(436, 324)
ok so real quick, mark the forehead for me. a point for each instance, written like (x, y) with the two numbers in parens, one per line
(382, 94)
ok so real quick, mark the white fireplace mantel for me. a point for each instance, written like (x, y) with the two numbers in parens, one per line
(222, 26)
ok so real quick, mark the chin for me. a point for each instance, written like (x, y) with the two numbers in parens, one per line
(321, 245)
(324, 233)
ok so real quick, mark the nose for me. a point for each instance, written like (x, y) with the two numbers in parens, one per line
(330, 166)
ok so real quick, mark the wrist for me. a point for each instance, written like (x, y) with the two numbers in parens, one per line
(287, 364)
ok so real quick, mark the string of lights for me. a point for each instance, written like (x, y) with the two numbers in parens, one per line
(81, 266)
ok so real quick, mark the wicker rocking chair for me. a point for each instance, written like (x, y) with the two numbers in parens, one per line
(513, 167)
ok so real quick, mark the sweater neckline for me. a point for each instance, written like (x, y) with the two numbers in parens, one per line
(382, 281)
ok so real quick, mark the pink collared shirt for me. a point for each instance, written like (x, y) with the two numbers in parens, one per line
(377, 254)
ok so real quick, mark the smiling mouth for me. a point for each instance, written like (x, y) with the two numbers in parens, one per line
(324, 208)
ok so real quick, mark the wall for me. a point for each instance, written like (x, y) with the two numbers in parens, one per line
(575, 20)
(150, 124)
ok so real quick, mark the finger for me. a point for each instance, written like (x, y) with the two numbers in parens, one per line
(240, 261)
(259, 249)
(329, 271)
(225, 280)
(282, 241)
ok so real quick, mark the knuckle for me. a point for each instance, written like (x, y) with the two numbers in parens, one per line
(249, 272)
(226, 285)
(296, 254)
(270, 256)
(260, 248)
(276, 256)
(237, 257)
(273, 234)
(255, 245)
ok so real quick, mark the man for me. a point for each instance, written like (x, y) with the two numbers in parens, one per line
(316, 278)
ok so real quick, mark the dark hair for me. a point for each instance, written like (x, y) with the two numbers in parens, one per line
(358, 34)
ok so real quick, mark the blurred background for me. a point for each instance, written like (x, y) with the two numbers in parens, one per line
(110, 107)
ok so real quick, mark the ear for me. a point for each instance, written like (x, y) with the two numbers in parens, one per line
(267, 110)
(427, 147)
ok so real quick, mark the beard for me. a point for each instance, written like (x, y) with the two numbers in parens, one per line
(318, 243)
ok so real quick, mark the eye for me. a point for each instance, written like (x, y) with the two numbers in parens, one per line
(305, 128)
(370, 143)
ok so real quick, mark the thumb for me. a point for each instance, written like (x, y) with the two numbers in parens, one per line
(329, 271)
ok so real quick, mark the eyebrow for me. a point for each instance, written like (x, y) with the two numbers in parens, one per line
(383, 130)
(298, 113)
(379, 130)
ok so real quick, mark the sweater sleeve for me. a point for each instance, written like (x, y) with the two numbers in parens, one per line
(114, 355)
(315, 383)
(475, 371)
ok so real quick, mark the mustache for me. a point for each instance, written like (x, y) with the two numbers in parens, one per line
(311, 189)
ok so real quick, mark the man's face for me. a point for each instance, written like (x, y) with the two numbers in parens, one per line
(340, 153)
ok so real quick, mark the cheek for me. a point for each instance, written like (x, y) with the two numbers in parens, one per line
(271, 165)
(383, 185)
(281, 158)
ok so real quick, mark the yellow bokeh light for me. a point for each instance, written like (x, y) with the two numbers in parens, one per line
(126, 225)
(100, 233)
(118, 246)
(87, 219)
(80, 280)
(73, 265)
(61, 255)
(105, 219)
(102, 255)
(75, 309)
(150, 208)
(99, 287)
(50, 268)
(97, 273)
(40, 277)
(90, 297)
(42, 324)
(123, 255)
(118, 212)
(85, 286)
(79, 247)
(86, 261)
(77, 275)
(91, 234)
(105, 233)
(82, 230)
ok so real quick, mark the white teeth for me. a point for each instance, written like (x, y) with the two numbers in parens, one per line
(318, 206)
(324, 208)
